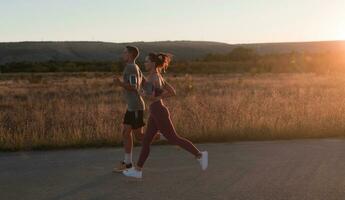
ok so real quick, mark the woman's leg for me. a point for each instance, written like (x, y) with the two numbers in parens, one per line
(147, 140)
(167, 129)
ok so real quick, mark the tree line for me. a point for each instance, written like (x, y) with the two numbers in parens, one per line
(239, 60)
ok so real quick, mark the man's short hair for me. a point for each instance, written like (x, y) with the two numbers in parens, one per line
(134, 51)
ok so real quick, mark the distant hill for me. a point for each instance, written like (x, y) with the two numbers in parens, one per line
(182, 50)
(102, 51)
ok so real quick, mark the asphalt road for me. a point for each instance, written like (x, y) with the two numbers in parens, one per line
(296, 169)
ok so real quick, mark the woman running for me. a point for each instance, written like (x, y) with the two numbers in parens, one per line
(156, 89)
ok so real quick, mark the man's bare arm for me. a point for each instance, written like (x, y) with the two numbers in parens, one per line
(126, 86)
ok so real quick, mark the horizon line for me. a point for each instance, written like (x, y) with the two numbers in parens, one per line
(99, 41)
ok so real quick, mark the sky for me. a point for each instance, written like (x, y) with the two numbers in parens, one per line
(229, 21)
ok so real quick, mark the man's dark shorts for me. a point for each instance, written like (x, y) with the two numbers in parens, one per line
(134, 118)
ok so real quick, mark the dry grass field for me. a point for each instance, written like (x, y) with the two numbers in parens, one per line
(44, 111)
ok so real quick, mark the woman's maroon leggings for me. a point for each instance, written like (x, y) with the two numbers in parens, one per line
(159, 120)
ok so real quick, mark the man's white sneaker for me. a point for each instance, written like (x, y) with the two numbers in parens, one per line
(132, 172)
(203, 160)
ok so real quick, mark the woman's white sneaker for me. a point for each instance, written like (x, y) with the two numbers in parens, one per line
(203, 160)
(132, 172)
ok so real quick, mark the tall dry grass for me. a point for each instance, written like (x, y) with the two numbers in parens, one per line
(56, 111)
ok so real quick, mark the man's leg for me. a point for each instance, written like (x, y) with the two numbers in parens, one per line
(127, 143)
(128, 146)
(139, 133)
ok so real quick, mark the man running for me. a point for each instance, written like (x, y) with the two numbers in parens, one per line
(134, 117)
